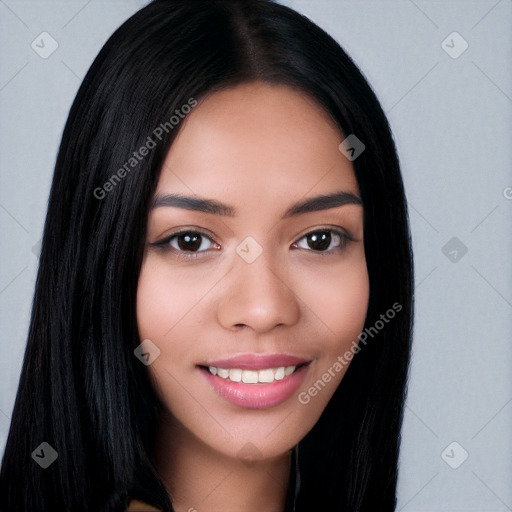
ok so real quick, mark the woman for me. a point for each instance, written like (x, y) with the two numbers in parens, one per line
(223, 311)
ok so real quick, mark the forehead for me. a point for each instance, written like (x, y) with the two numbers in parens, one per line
(257, 140)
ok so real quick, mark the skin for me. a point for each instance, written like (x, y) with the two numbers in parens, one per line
(259, 148)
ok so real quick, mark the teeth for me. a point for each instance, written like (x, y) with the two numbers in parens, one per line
(235, 375)
(253, 376)
(289, 370)
(266, 375)
(222, 372)
(249, 376)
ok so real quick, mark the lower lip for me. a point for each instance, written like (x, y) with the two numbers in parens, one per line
(260, 395)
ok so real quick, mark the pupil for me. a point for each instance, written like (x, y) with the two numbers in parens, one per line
(191, 242)
(320, 241)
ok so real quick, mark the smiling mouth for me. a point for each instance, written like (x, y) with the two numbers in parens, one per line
(260, 376)
(253, 382)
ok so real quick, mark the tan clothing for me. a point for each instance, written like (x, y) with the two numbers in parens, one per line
(139, 506)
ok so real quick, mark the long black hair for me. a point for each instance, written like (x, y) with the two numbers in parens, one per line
(81, 389)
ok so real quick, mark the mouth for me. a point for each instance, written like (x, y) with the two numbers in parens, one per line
(259, 376)
(254, 381)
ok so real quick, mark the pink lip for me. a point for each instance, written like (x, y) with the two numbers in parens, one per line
(257, 361)
(260, 395)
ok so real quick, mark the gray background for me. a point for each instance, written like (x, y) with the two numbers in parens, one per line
(452, 122)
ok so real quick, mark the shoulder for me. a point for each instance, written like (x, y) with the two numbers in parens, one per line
(140, 506)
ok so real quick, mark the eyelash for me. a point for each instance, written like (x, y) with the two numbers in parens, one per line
(190, 255)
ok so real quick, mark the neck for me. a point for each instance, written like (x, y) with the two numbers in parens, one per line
(201, 479)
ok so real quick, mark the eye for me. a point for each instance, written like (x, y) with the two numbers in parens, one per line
(186, 244)
(324, 241)
(190, 241)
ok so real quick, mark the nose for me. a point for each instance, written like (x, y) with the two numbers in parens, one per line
(257, 295)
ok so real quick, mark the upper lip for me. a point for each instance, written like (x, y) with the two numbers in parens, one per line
(257, 361)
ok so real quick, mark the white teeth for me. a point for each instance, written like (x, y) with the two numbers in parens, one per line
(266, 375)
(289, 370)
(235, 375)
(249, 376)
(222, 372)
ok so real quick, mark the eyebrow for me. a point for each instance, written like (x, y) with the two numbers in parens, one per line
(312, 204)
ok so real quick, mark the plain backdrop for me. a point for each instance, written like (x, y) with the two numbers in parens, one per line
(442, 71)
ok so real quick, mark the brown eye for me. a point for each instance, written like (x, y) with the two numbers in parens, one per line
(188, 241)
(319, 241)
(323, 240)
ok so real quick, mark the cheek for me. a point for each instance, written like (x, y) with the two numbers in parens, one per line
(163, 302)
(338, 307)
(162, 307)
(165, 298)
(338, 301)
(155, 307)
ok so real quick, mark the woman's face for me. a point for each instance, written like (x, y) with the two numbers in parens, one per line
(242, 279)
